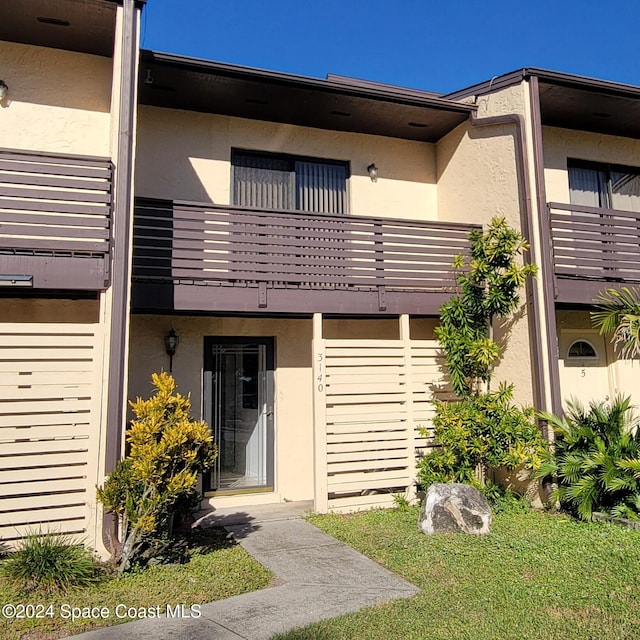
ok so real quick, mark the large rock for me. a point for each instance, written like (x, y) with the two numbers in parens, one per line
(452, 507)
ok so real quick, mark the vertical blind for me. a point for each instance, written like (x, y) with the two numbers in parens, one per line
(283, 182)
(602, 185)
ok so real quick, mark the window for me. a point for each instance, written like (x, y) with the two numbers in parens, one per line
(581, 349)
(274, 181)
(602, 185)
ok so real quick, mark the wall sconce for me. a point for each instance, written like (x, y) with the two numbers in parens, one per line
(373, 172)
(171, 342)
(3, 90)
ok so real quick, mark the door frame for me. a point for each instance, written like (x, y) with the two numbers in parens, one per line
(207, 406)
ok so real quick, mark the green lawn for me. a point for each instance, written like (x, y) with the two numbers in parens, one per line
(535, 576)
(222, 571)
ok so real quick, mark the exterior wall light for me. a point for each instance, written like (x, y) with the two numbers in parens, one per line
(373, 172)
(171, 342)
(3, 90)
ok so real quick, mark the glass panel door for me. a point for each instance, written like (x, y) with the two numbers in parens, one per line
(239, 397)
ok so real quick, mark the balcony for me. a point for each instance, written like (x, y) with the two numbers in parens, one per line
(55, 215)
(593, 249)
(204, 257)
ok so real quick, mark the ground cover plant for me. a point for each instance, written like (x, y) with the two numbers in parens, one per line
(536, 576)
(50, 563)
(217, 568)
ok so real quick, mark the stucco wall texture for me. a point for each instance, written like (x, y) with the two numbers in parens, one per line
(477, 180)
(561, 144)
(63, 96)
(183, 155)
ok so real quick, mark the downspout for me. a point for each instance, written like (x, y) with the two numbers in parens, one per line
(121, 270)
(547, 268)
(524, 191)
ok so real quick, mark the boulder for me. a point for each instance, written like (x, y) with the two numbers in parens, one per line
(449, 508)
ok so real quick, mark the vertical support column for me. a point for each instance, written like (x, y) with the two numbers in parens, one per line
(405, 337)
(321, 490)
(546, 279)
(116, 298)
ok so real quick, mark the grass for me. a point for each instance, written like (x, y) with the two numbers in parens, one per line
(220, 570)
(535, 576)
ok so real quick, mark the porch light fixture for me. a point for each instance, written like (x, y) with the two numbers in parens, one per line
(373, 172)
(171, 342)
(3, 90)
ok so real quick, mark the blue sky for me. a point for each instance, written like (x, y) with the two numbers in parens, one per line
(438, 46)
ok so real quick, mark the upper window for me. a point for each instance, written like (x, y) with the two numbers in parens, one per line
(603, 185)
(274, 181)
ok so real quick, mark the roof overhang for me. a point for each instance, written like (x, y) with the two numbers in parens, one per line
(87, 26)
(337, 104)
(574, 102)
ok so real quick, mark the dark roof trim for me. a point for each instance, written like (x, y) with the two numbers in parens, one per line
(358, 89)
(552, 77)
(359, 82)
(582, 82)
(496, 83)
(139, 3)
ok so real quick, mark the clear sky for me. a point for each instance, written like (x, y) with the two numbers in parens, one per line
(438, 46)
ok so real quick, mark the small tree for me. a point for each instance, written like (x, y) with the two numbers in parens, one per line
(157, 481)
(483, 428)
(489, 286)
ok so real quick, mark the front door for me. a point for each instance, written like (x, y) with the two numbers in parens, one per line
(238, 395)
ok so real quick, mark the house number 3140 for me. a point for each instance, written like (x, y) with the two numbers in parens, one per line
(320, 378)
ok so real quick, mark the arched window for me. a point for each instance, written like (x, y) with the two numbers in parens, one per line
(581, 349)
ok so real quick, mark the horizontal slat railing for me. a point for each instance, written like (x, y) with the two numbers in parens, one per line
(196, 243)
(589, 242)
(55, 206)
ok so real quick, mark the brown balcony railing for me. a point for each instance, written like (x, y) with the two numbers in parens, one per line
(593, 249)
(55, 215)
(239, 259)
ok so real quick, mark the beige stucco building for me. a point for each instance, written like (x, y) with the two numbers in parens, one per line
(297, 236)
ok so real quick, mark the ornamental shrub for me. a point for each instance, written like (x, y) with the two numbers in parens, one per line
(596, 459)
(489, 285)
(481, 431)
(156, 483)
(48, 563)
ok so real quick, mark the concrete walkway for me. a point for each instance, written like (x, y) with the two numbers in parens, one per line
(317, 578)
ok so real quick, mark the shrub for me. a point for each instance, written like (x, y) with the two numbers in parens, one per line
(596, 459)
(504, 500)
(157, 482)
(489, 287)
(50, 562)
(486, 430)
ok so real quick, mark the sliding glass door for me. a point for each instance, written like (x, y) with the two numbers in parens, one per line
(238, 386)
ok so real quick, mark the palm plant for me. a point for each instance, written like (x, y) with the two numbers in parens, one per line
(596, 459)
(618, 316)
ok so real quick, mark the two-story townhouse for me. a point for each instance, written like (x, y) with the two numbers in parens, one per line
(69, 79)
(297, 236)
(582, 140)
(294, 236)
